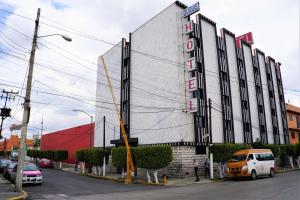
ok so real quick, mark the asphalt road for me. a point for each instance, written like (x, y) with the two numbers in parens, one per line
(60, 185)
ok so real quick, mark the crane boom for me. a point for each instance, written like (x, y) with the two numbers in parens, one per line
(130, 166)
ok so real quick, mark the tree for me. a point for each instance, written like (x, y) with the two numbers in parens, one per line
(154, 157)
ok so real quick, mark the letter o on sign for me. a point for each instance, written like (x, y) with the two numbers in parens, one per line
(190, 45)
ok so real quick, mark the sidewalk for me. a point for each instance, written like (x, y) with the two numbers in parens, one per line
(7, 190)
(143, 180)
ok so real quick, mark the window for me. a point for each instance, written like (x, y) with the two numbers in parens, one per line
(250, 157)
(291, 117)
(269, 156)
(237, 158)
(298, 121)
(260, 157)
(293, 135)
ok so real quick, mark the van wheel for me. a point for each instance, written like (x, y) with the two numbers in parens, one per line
(272, 172)
(253, 175)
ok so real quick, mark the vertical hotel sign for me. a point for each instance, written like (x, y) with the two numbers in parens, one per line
(190, 64)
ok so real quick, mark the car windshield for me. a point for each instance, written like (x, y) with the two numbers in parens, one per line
(30, 168)
(237, 158)
(5, 162)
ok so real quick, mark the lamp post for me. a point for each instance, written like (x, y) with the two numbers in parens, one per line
(91, 130)
(65, 37)
(26, 104)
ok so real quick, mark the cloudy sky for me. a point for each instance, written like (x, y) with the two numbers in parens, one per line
(65, 72)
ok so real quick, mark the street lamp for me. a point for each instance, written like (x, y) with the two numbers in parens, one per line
(91, 131)
(26, 104)
(65, 37)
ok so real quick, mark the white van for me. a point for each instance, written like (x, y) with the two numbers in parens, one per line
(251, 163)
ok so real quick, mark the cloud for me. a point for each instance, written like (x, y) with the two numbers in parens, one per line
(72, 71)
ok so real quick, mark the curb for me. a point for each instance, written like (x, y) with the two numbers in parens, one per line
(23, 196)
(24, 193)
(120, 180)
(276, 172)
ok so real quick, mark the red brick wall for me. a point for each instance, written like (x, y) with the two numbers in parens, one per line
(71, 139)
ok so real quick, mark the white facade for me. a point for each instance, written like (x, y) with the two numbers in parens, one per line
(103, 96)
(158, 84)
(262, 66)
(212, 78)
(251, 91)
(280, 126)
(161, 37)
(235, 88)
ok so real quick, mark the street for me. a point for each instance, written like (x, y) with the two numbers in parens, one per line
(59, 184)
(62, 185)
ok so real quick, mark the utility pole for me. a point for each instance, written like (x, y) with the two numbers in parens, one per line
(5, 112)
(104, 164)
(91, 132)
(211, 158)
(26, 113)
(42, 128)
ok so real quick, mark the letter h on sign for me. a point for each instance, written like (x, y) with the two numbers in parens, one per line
(188, 27)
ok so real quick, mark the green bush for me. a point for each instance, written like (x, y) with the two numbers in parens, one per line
(60, 155)
(93, 156)
(80, 155)
(152, 157)
(119, 156)
(222, 152)
(297, 149)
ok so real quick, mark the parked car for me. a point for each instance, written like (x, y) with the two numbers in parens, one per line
(31, 174)
(251, 163)
(8, 170)
(3, 164)
(45, 163)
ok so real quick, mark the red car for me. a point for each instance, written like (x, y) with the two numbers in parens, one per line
(45, 163)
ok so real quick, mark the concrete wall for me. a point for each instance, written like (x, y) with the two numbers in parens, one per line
(159, 85)
(104, 104)
(235, 88)
(264, 82)
(252, 92)
(212, 78)
(279, 116)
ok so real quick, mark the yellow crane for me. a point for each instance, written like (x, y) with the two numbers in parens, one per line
(130, 166)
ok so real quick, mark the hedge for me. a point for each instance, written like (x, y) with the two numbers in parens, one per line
(222, 152)
(155, 157)
(119, 156)
(298, 149)
(151, 157)
(93, 156)
(56, 155)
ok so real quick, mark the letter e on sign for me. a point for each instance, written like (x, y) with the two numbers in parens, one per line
(190, 45)
(188, 27)
(192, 84)
(192, 105)
(190, 64)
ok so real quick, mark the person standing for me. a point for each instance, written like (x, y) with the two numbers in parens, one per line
(206, 167)
(196, 166)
